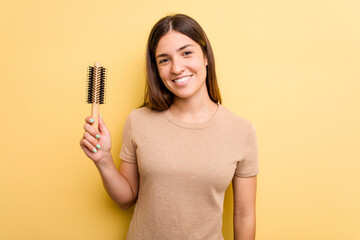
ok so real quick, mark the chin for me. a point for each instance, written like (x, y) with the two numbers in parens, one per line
(189, 92)
(184, 95)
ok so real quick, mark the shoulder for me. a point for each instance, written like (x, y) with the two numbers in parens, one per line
(143, 115)
(138, 112)
(143, 112)
(235, 120)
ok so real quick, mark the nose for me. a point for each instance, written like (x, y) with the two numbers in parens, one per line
(177, 67)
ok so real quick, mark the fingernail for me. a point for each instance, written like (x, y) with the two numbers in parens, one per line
(94, 150)
(98, 146)
(91, 120)
(97, 136)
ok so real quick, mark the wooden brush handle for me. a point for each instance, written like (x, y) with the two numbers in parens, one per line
(95, 115)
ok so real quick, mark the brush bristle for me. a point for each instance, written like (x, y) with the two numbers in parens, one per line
(96, 84)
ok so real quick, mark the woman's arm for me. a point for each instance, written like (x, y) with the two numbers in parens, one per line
(122, 186)
(244, 191)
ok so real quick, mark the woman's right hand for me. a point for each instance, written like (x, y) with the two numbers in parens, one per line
(96, 144)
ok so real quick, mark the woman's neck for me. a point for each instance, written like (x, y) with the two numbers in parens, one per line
(193, 109)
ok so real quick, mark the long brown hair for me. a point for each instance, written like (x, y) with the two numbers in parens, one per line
(157, 96)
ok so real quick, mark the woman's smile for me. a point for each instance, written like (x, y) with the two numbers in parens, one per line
(182, 81)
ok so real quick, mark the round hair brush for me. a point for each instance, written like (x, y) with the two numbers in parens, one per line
(96, 90)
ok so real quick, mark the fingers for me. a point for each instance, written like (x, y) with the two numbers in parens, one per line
(91, 138)
(90, 143)
(88, 128)
(102, 126)
(89, 120)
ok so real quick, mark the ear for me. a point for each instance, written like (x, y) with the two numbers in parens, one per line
(206, 60)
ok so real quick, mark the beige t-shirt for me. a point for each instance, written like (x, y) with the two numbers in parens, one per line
(184, 170)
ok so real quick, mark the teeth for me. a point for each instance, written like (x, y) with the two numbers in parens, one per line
(182, 79)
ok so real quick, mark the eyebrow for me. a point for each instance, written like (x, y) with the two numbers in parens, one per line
(182, 48)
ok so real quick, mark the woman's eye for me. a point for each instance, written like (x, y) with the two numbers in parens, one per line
(164, 60)
(187, 53)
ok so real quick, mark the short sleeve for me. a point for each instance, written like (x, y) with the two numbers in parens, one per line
(249, 165)
(128, 148)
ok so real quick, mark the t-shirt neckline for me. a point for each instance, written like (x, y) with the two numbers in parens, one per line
(190, 125)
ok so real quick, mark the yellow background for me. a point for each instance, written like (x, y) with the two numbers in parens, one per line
(290, 67)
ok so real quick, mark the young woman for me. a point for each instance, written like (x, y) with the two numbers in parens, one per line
(182, 148)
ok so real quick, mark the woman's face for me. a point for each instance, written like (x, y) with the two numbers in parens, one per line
(181, 65)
